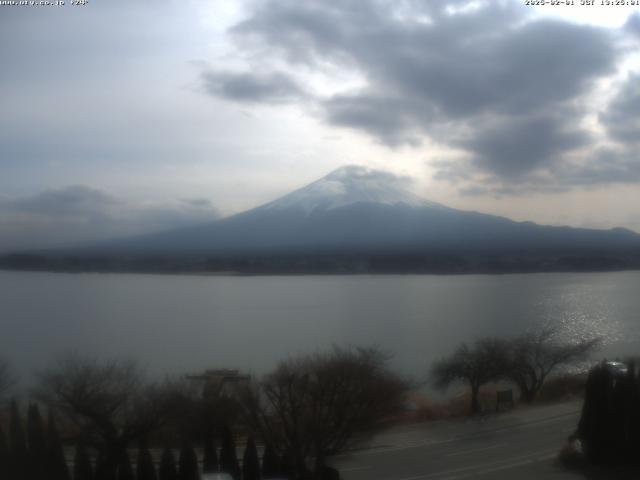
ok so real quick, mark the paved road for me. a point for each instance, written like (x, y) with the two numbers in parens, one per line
(519, 445)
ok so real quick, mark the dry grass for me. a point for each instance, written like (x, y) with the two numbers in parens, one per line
(562, 388)
(557, 389)
(426, 409)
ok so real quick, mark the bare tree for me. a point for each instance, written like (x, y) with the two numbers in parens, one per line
(475, 365)
(532, 357)
(107, 403)
(315, 406)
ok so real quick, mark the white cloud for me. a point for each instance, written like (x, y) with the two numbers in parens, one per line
(77, 214)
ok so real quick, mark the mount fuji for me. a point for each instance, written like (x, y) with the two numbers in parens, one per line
(358, 219)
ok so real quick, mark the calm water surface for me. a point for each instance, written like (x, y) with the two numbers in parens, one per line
(188, 323)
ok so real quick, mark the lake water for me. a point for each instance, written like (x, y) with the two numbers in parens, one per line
(189, 323)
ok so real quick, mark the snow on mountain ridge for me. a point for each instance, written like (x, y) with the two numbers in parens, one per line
(350, 185)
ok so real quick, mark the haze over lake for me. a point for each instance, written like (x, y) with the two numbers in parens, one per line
(181, 324)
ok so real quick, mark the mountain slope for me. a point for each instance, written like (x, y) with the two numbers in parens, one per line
(356, 219)
(355, 208)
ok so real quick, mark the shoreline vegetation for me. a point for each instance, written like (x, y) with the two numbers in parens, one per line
(441, 263)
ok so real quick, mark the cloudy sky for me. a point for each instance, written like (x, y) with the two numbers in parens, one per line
(119, 117)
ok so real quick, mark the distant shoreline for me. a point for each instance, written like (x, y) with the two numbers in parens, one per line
(313, 272)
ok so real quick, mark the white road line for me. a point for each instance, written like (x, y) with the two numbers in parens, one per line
(488, 467)
(354, 469)
(513, 465)
(428, 443)
(474, 450)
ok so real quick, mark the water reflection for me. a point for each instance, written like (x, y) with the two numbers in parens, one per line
(185, 323)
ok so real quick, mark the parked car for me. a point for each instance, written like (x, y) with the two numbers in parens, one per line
(616, 369)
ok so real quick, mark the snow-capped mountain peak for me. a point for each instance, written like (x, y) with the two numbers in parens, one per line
(350, 185)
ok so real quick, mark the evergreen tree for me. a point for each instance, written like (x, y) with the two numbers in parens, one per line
(4, 456)
(37, 444)
(82, 469)
(168, 466)
(635, 426)
(56, 463)
(632, 414)
(287, 466)
(590, 428)
(125, 472)
(210, 460)
(188, 463)
(228, 456)
(270, 463)
(250, 462)
(145, 469)
(17, 446)
(104, 470)
(608, 426)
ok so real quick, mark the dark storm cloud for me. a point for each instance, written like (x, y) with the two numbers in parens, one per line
(516, 146)
(244, 87)
(363, 112)
(484, 78)
(80, 213)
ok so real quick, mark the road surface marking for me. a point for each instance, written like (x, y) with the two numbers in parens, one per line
(489, 467)
(474, 450)
(512, 465)
(431, 442)
(353, 469)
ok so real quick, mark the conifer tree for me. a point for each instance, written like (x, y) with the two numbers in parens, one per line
(56, 462)
(104, 471)
(287, 466)
(37, 444)
(188, 463)
(18, 453)
(632, 414)
(145, 469)
(4, 456)
(250, 462)
(82, 469)
(228, 456)
(125, 471)
(608, 426)
(210, 460)
(635, 422)
(270, 462)
(168, 469)
(589, 428)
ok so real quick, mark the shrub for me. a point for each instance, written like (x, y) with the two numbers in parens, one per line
(228, 456)
(144, 468)
(609, 426)
(188, 463)
(168, 469)
(82, 469)
(250, 462)
(210, 460)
